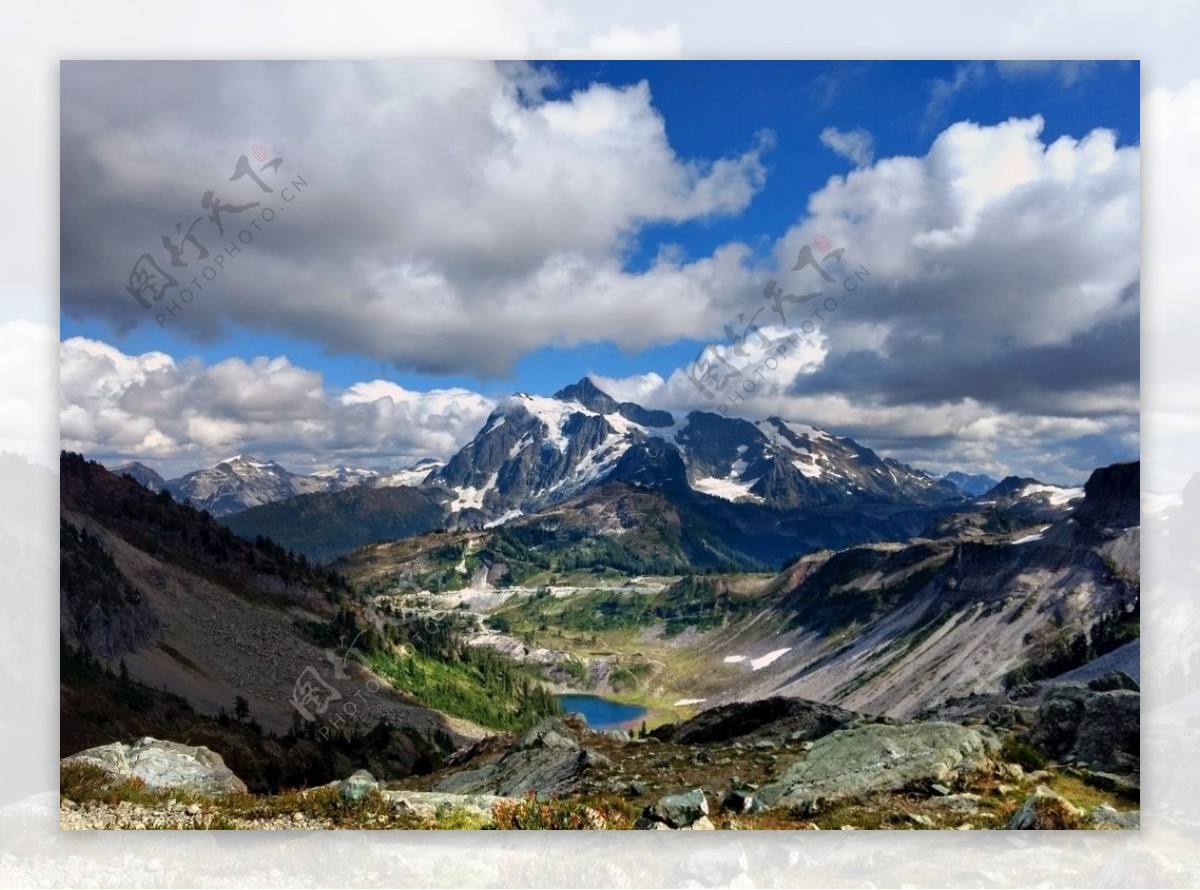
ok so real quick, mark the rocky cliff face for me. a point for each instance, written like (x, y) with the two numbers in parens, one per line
(905, 629)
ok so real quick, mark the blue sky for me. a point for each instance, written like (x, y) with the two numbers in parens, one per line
(708, 114)
(741, 151)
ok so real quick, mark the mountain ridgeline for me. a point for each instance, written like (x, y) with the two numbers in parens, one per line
(250, 647)
(727, 491)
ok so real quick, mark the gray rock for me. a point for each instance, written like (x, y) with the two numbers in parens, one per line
(357, 786)
(767, 719)
(1130, 786)
(547, 760)
(163, 764)
(1105, 816)
(741, 801)
(678, 810)
(1100, 728)
(1114, 680)
(1046, 810)
(881, 757)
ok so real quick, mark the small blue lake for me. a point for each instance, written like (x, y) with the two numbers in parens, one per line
(601, 713)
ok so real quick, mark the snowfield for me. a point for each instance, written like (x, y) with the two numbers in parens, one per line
(1037, 536)
(1058, 494)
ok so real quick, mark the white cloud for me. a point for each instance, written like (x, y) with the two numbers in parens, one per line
(998, 325)
(943, 91)
(856, 145)
(453, 220)
(180, 415)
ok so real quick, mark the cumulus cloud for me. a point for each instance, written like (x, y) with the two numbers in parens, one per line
(855, 145)
(437, 192)
(999, 307)
(180, 415)
(998, 327)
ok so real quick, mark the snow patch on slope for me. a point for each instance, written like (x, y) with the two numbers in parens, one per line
(471, 498)
(727, 489)
(1058, 494)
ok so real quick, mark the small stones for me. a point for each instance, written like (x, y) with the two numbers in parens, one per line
(297, 817)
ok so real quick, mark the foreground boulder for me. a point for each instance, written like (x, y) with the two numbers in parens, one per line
(678, 812)
(883, 758)
(162, 764)
(1098, 725)
(548, 759)
(779, 718)
(1046, 810)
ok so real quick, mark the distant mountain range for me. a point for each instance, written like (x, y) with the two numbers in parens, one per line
(971, 485)
(243, 481)
(761, 491)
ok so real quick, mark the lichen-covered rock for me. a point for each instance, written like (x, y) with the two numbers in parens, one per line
(163, 764)
(1100, 728)
(1046, 810)
(357, 786)
(878, 757)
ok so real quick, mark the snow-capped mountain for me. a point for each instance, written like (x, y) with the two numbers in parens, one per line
(240, 482)
(339, 478)
(534, 451)
(243, 481)
(413, 475)
(1029, 491)
(142, 475)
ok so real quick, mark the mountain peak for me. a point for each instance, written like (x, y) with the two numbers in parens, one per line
(246, 460)
(589, 395)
